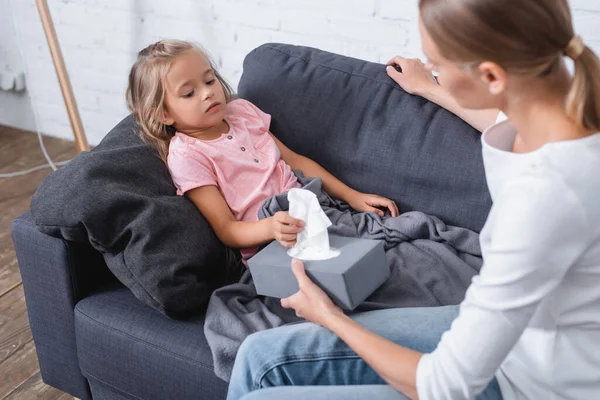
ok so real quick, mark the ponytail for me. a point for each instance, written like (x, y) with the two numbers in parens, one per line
(529, 42)
(583, 100)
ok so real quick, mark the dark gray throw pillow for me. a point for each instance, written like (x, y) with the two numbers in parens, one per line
(120, 198)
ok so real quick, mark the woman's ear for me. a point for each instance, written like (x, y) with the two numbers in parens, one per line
(494, 77)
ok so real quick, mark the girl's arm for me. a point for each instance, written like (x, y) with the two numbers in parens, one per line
(335, 187)
(239, 234)
(416, 79)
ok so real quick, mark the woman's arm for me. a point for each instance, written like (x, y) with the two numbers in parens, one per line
(239, 234)
(333, 186)
(478, 119)
(394, 363)
(397, 365)
(534, 247)
(416, 79)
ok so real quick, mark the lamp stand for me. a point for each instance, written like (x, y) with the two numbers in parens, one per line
(63, 76)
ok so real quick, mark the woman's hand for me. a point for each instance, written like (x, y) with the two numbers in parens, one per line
(415, 78)
(285, 229)
(310, 302)
(370, 202)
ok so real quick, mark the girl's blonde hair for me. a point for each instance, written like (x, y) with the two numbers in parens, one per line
(146, 90)
(524, 37)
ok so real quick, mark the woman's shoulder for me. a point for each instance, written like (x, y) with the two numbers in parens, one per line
(574, 163)
(553, 187)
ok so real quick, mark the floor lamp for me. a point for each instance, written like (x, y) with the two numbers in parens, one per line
(63, 76)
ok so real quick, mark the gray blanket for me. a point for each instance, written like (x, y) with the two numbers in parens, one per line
(431, 264)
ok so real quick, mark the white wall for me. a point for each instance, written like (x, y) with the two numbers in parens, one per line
(15, 108)
(100, 38)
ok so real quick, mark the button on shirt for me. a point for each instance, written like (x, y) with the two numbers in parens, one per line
(244, 163)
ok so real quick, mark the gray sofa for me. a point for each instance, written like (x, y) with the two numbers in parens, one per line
(98, 338)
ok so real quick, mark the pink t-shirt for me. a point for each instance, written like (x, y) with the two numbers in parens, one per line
(244, 163)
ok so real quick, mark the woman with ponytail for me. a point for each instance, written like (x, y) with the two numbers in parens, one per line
(529, 327)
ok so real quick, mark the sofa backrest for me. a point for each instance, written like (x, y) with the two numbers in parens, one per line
(350, 117)
(344, 113)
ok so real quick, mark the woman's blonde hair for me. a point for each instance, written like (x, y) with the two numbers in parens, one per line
(146, 90)
(524, 37)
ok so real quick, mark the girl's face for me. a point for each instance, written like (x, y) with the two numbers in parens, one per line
(194, 97)
(472, 86)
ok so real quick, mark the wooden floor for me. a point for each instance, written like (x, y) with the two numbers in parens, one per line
(19, 369)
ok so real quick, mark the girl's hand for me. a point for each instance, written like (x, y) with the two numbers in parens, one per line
(310, 302)
(285, 229)
(415, 78)
(370, 202)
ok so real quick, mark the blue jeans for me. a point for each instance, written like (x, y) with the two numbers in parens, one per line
(309, 355)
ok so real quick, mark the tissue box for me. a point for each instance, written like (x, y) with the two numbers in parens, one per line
(348, 278)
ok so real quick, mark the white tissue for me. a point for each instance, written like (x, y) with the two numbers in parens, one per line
(313, 242)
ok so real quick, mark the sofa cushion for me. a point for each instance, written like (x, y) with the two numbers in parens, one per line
(120, 198)
(350, 117)
(141, 353)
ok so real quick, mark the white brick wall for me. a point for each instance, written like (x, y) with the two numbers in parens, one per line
(100, 38)
(15, 108)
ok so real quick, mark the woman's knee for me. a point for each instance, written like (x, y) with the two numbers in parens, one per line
(255, 348)
(262, 350)
(270, 343)
(251, 358)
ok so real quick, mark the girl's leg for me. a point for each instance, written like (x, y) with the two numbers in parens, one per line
(307, 354)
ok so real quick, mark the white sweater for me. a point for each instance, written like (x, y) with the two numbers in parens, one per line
(532, 316)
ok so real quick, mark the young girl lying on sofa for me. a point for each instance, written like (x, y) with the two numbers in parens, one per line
(219, 150)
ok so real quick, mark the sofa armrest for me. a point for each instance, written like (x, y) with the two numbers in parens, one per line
(56, 275)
